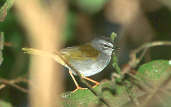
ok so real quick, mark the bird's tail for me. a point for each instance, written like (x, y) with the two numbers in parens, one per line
(44, 53)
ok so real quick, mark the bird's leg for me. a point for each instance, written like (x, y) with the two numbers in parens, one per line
(76, 83)
(93, 81)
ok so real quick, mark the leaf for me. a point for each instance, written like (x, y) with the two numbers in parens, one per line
(5, 104)
(115, 95)
(156, 75)
(155, 72)
(91, 6)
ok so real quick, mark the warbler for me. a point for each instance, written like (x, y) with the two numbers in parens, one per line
(88, 59)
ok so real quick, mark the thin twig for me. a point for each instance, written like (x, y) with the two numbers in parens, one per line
(99, 96)
(134, 61)
(151, 44)
(13, 84)
(119, 75)
(115, 64)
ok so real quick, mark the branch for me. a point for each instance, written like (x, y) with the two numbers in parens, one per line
(13, 84)
(134, 61)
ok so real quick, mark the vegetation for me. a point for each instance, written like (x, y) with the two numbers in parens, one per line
(138, 76)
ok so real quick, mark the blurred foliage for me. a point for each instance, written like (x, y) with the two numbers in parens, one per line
(154, 76)
(90, 6)
(12, 65)
(14, 36)
(5, 104)
(1, 47)
(6, 6)
(70, 27)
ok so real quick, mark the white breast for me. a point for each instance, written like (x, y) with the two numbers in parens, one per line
(91, 67)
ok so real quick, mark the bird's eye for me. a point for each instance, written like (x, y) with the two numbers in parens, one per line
(107, 46)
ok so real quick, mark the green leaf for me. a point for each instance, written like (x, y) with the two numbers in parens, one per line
(5, 104)
(70, 27)
(155, 72)
(113, 36)
(156, 75)
(91, 6)
(115, 95)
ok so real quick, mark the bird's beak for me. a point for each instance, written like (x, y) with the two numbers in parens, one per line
(115, 50)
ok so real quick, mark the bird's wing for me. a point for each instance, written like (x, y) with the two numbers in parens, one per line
(84, 52)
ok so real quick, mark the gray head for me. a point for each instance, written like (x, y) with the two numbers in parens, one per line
(103, 45)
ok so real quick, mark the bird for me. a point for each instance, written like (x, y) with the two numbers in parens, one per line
(88, 59)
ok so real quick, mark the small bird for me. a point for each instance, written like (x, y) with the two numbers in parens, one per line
(88, 59)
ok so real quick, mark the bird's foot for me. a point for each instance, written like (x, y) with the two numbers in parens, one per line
(78, 88)
(96, 84)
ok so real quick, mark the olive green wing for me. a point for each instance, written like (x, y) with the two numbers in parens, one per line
(84, 52)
